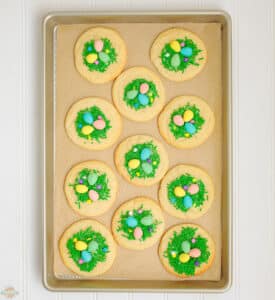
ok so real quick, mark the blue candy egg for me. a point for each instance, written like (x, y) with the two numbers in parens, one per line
(86, 256)
(131, 222)
(173, 200)
(187, 201)
(105, 249)
(88, 117)
(79, 125)
(190, 128)
(145, 153)
(143, 99)
(89, 48)
(186, 51)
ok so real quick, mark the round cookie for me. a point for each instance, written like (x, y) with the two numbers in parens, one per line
(91, 188)
(178, 54)
(141, 160)
(93, 123)
(186, 250)
(138, 223)
(100, 54)
(186, 122)
(87, 248)
(186, 192)
(138, 94)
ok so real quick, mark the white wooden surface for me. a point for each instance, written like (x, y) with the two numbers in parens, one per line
(20, 151)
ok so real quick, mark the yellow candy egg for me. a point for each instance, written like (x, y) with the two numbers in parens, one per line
(80, 246)
(81, 188)
(89, 201)
(75, 240)
(184, 258)
(187, 134)
(91, 58)
(87, 129)
(175, 45)
(179, 191)
(188, 115)
(133, 163)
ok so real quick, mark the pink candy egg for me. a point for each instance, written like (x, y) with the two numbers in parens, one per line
(138, 233)
(98, 45)
(195, 252)
(178, 120)
(144, 88)
(93, 195)
(99, 124)
(193, 189)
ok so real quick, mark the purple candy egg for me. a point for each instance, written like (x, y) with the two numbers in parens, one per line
(197, 263)
(80, 181)
(149, 160)
(185, 187)
(185, 59)
(99, 187)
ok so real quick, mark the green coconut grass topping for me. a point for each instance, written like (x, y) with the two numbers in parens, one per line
(98, 255)
(174, 249)
(185, 181)
(144, 220)
(99, 61)
(177, 61)
(146, 168)
(184, 131)
(135, 99)
(90, 180)
(95, 134)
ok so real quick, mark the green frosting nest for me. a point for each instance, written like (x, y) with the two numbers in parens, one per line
(137, 100)
(178, 61)
(147, 167)
(95, 134)
(104, 58)
(93, 180)
(185, 181)
(98, 255)
(174, 249)
(147, 227)
(185, 131)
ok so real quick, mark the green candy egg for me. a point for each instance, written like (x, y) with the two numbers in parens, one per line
(148, 220)
(93, 246)
(92, 178)
(132, 94)
(175, 61)
(104, 57)
(185, 246)
(147, 168)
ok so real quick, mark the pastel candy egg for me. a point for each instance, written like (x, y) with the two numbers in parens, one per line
(147, 168)
(178, 120)
(80, 246)
(104, 57)
(86, 256)
(196, 252)
(185, 246)
(186, 51)
(193, 189)
(143, 99)
(132, 94)
(144, 88)
(175, 60)
(99, 124)
(91, 58)
(179, 191)
(138, 233)
(184, 258)
(92, 178)
(98, 44)
(187, 201)
(133, 163)
(175, 45)
(148, 220)
(93, 195)
(88, 117)
(86, 130)
(93, 246)
(173, 254)
(131, 222)
(81, 188)
(190, 128)
(188, 115)
(145, 153)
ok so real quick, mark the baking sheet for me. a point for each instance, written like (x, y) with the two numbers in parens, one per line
(70, 86)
